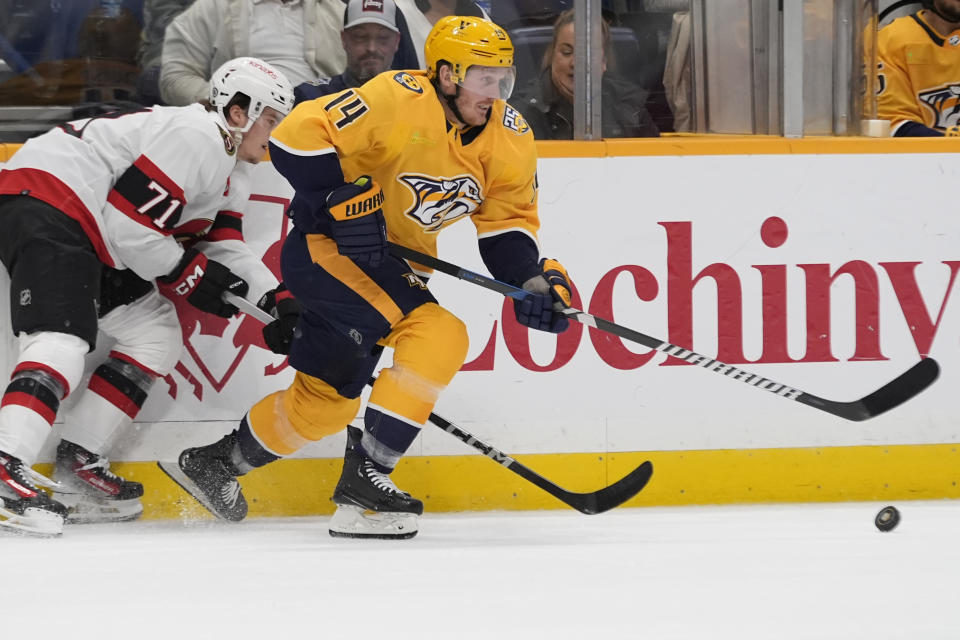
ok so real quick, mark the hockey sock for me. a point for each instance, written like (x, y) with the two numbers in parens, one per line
(27, 411)
(113, 398)
(386, 437)
(249, 453)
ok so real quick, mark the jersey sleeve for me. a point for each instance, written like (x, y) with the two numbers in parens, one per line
(896, 98)
(308, 146)
(224, 242)
(508, 220)
(167, 193)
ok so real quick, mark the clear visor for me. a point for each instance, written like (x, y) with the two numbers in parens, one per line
(490, 82)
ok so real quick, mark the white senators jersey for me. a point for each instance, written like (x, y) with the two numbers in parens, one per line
(135, 181)
(919, 74)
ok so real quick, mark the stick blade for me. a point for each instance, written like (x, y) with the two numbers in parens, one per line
(902, 388)
(619, 492)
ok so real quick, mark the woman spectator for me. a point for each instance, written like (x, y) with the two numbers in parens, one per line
(547, 102)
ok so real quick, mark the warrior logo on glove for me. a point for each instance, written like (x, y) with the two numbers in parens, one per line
(364, 202)
(358, 226)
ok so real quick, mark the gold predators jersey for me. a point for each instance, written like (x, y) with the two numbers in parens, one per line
(393, 128)
(918, 73)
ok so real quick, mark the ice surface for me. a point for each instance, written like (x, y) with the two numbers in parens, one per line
(770, 572)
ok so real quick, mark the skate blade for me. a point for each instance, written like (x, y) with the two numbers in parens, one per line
(176, 474)
(34, 522)
(91, 510)
(350, 521)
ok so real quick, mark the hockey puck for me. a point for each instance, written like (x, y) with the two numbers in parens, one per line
(887, 519)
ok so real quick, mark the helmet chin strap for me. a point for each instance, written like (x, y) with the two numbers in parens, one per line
(451, 100)
(954, 19)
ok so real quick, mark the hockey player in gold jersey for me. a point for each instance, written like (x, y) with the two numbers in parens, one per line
(402, 157)
(918, 66)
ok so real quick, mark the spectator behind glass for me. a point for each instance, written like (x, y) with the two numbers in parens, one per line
(298, 37)
(547, 102)
(65, 53)
(421, 15)
(157, 14)
(371, 38)
(919, 71)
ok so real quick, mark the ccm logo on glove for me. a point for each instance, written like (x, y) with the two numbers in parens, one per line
(203, 282)
(190, 280)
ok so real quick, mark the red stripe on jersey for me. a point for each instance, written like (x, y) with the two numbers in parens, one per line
(219, 235)
(31, 402)
(125, 206)
(154, 172)
(227, 226)
(147, 195)
(46, 187)
(191, 227)
(113, 395)
(28, 365)
(116, 355)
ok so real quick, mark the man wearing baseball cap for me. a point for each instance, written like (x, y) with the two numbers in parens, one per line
(370, 37)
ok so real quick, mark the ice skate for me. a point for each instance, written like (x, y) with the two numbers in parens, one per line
(90, 490)
(369, 504)
(208, 474)
(24, 507)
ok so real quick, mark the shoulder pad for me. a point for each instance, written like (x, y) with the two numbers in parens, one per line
(407, 81)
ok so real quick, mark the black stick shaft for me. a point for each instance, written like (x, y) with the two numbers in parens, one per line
(589, 503)
(894, 393)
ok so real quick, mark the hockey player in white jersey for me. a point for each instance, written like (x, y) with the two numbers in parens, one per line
(100, 217)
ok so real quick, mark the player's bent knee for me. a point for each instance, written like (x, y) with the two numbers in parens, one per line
(60, 354)
(159, 343)
(431, 341)
(315, 408)
(307, 411)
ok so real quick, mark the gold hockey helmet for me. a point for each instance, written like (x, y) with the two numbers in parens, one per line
(465, 42)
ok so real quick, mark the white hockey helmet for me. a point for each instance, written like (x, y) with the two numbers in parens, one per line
(254, 78)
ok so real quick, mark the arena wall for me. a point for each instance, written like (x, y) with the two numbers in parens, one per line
(825, 264)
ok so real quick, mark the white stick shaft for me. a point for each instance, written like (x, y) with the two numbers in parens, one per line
(248, 307)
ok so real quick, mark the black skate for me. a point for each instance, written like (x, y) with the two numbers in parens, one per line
(369, 504)
(24, 508)
(208, 474)
(90, 490)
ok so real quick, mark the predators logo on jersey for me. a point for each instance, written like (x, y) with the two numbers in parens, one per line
(438, 201)
(944, 102)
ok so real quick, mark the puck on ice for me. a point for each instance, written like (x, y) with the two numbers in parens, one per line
(887, 519)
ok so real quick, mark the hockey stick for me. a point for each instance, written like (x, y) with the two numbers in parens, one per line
(896, 392)
(248, 307)
(589, 503)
